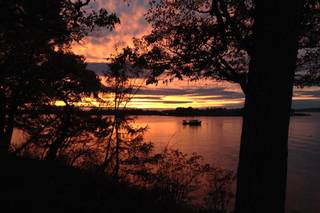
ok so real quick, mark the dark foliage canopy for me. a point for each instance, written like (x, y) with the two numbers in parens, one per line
(37, 66)
(214, 39)
(35, 37)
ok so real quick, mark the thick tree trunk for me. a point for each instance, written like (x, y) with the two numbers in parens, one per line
(6, 126)
(264, 142)
(2, 122)
(4, 144)
(10, 126)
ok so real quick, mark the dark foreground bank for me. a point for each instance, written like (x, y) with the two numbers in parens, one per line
(29, 185)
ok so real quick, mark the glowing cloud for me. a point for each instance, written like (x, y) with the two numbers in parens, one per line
(100, 45)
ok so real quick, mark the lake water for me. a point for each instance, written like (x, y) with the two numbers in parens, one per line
(218, 141)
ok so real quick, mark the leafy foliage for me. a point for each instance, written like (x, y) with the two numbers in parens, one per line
(36, 65)
(124, 147)
(214, 39)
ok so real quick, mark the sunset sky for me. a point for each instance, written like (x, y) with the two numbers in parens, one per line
(204, 93)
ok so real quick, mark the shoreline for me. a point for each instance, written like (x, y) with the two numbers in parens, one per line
(179, 112)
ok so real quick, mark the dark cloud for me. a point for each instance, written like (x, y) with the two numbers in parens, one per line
(310, 93)
(148, 98)
(204, 94)
(159, 100)
(177, 102)
(219, 97)
(221, 92)
(98, 68)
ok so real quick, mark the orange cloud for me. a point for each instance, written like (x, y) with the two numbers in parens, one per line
(100, 45)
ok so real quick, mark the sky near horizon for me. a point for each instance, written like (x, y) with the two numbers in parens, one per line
(200, 94)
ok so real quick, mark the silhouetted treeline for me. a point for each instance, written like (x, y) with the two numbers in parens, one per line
(204, 112)
(180, 111)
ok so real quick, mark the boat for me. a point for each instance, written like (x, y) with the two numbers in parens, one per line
(191, 122)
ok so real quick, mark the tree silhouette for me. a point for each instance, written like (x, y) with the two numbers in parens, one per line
(265, 47)
(214, 39)
(51, 128)
(125, 150)
(262, 170)
(33, 33)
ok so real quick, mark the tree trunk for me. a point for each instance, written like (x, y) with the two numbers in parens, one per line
(9, 128)
(6, 126)
(63, 134)
(262, 170)
(117, 166)
(3, 148)
(55, 146)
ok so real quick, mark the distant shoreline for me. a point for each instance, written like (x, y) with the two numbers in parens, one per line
(210, 112)
(178, 112)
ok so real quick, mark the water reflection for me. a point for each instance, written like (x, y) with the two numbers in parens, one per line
(218, 141)
(218, 138)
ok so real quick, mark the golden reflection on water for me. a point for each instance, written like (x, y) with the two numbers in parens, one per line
(217, 139)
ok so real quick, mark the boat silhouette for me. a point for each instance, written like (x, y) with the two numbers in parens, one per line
(191, 122)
